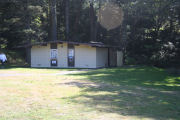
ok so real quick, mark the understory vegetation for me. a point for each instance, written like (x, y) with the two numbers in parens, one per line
(15, 58)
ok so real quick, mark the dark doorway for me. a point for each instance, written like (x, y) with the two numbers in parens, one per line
(54, 55)
(71, 55)
(53, 45)
(112, 59)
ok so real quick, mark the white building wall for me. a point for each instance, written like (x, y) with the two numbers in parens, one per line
(101, 57)
(40, 56)
(85, 56)
(62, 55)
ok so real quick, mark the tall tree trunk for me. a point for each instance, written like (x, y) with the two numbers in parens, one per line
(53, 21)
(28, 21)
(67, 19)
(95, 29)
(77, 19)
(92, 20)
(124, 40)
(28, 35)
(96, 25)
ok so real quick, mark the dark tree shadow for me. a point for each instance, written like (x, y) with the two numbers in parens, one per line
(143, 92)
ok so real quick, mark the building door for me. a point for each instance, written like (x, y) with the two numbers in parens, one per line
(112, 57)
(54, 55)
(71, 55)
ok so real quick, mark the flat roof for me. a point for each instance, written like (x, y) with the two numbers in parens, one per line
(93, 44)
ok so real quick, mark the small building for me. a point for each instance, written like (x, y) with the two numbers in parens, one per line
(63, 54)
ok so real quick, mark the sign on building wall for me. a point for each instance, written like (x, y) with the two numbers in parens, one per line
(71, 55)
(71, 52)
(54, 53)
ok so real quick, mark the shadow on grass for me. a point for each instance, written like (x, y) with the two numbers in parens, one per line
(143, 92)
(141, 76)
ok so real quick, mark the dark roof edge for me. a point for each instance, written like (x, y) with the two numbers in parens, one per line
(93, 44)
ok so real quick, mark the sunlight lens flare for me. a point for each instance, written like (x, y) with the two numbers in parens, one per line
(110, 16)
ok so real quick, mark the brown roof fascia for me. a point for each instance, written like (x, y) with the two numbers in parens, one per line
(69, 42)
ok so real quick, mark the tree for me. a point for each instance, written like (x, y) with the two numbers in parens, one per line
(67, 19)
(150, 33)
(53, 20)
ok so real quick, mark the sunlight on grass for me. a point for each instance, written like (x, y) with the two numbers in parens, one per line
(119, 93)
(170, 81)
(33, 70)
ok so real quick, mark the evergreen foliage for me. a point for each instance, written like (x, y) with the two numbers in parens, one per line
(149, 34)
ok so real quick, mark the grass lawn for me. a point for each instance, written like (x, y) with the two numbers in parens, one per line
(106, 94)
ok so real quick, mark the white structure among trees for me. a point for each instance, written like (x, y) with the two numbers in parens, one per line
(63, 54)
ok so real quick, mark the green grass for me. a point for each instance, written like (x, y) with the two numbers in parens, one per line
(136, 76)
(104, 94)
(26, 69)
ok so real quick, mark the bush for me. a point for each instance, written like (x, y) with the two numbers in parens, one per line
(15, 57)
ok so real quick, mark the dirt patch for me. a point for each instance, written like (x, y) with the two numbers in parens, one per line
(10, 74)
(14, 74)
